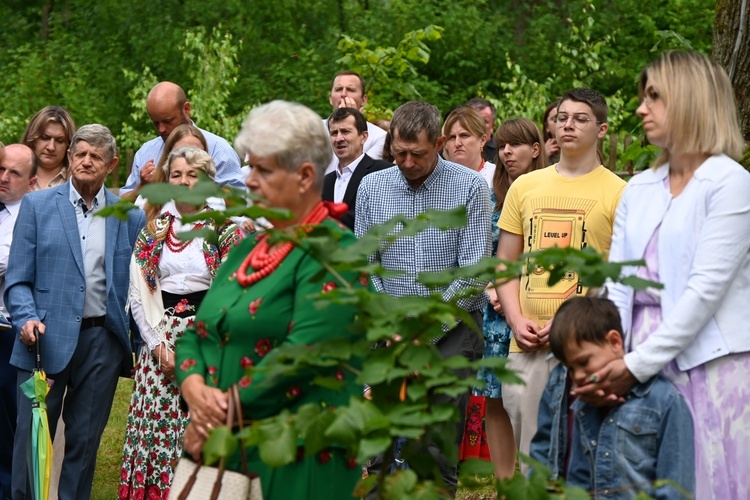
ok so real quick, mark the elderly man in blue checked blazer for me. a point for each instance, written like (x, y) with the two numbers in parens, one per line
(68, 277)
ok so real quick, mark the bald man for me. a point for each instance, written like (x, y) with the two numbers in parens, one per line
(168, 107)
(17, 176)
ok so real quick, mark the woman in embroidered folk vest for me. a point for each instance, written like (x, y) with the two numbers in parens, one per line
(169, 278)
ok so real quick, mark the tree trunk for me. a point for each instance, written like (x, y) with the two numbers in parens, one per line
(47, 9)
(731, 49)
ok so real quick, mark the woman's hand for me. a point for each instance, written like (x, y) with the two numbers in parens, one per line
(165, 359)
(607, 386)
(494, 301)
(543, 334)
(526, 333)
(248, 226)
(207, 405)
(551, 147)
(193, 441)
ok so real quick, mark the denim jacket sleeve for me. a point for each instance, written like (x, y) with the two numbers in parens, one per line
(579, 467)
(550, 441)
(675, 461)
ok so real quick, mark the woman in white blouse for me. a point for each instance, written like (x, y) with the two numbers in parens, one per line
(169, 277)
(688, 218)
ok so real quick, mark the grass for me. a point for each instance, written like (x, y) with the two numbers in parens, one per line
(107, 475)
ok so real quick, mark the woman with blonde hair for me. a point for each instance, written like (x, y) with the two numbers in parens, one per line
(48, 134)
(169, 278)
(688, 218)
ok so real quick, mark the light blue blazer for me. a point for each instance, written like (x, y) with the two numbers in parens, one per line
(45, 278)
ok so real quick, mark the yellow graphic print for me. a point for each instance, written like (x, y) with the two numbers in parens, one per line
(563, 226)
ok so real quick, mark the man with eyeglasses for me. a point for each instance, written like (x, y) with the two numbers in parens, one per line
(571, 203)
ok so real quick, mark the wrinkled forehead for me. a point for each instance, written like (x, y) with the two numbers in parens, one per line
(349, 81)
(86, 147)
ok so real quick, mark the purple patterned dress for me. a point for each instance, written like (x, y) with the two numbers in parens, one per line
(718, 394)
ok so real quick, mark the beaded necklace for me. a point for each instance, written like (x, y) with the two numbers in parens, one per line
(173, 242)
(265, 261)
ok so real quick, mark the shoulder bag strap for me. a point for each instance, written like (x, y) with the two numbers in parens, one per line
(230, 423)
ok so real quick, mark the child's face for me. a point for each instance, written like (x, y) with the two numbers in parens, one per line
(586, 358)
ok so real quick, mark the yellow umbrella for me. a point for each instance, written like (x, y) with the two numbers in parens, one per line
(39, 454)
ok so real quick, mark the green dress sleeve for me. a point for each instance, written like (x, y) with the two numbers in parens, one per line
(236, 327)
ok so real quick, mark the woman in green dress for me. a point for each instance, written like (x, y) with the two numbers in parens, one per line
(261, 300)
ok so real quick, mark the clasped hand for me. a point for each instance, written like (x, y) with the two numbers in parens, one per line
(208, 409)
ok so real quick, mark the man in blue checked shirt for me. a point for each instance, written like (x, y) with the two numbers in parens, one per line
(168, 107)
(424, 181)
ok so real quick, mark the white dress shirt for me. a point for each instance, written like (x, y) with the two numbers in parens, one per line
(343, 176)
(373, 146)
(8, 217)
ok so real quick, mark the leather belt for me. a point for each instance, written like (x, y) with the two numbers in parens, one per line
(92, 322)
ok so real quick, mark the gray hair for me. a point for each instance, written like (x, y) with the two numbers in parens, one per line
(98, 136)
(194, 157)
(289, 132)
(413, 117)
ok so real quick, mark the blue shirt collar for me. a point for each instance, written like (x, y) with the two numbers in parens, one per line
(76, 198)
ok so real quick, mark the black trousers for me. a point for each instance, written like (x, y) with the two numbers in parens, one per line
(463, 341)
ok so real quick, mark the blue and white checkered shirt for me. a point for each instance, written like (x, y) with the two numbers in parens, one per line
(228, 171)
(386, 193)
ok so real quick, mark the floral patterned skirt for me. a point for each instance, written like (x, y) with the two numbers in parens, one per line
(474, 443)
(156, 425)
(718, 395)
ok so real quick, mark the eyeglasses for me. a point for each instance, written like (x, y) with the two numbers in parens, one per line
(580, 120)
(650, 96)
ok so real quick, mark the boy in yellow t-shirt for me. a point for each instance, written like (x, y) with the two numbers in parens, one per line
(571, 203)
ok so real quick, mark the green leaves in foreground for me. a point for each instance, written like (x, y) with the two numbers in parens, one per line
(409, 378)
(591, 267)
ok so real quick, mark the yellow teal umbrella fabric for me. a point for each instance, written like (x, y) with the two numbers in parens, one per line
(39, 455)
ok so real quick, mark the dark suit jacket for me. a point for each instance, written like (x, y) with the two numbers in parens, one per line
(366, 166)
(45, 280)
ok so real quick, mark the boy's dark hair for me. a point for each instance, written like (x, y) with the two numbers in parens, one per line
(591, 97)
(583, 319)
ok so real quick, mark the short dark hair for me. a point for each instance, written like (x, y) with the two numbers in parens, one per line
(414, 117)
(362, 83)
(583, 319)
(342, 113)
(480, 103)
(591, 97)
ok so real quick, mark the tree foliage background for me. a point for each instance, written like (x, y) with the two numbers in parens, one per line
(97, 59)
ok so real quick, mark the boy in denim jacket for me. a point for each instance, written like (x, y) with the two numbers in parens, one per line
(619, 451)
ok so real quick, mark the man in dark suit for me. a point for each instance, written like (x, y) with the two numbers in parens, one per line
(348, 129)
(67, 279)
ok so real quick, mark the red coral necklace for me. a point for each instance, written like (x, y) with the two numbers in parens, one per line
(173, 242)
(264, 262)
